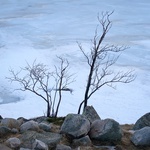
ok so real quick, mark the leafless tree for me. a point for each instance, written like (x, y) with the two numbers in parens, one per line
(37, 79)
(62, 80)
(100, 60)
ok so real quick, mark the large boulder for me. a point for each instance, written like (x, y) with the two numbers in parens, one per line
(141, 137)
(29, 125)
(105, 130)
(4, 131)
(142, 122)
(39, 145)
(45, 127)
(91, 113)
(84, 141)
(13, 143)
(28, 139)
(10, 123)
(75, 126)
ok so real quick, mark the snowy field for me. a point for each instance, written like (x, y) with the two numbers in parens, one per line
(42, 29)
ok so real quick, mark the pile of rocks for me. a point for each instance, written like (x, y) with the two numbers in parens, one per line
(76, 131)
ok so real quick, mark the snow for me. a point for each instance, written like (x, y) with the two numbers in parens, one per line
(42, 29)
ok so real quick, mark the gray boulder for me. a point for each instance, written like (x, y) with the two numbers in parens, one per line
(13, 142)
(10, 123)
(45, 127)
(40, 119)
(75, 126)
(142, 122)
(84, 141)
(14, 131)
(105, 130)
(91, 113)
(63, 147)
(39, 145)
(4, 131)
(30, 125)
(50, 139)
(141, 137)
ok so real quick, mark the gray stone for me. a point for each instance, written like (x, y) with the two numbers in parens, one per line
(141, 137)
(30, 125)
(63, 147)
(4, 147)
(84, 141)
(13, 142)
(142, 122)
(10, 123)
(105, 130)
(39, 145)
(15, 131)
(45, 127)
(91, 113)
(40, 119)
(75, 126)
(4, 131)
(29, 137)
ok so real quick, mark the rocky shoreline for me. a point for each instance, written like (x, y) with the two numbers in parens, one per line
(74, 132)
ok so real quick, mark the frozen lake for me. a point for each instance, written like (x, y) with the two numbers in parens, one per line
(42, 29)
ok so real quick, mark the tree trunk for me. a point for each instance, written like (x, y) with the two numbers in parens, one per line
(58, 103)
(79, 110)
(48, 109)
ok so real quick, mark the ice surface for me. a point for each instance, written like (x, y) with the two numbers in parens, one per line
(42, 29)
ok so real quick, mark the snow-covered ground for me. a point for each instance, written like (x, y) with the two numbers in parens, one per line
(42, 29)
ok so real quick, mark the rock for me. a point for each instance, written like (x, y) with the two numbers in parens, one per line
(13, 143)
(142, 122)
(29, 125)
(15, 131)
(141, 137)
(22, 120)
(45, 127)
(84, 141)
(105, 130)
(4, 147)
(39, 145)
(91, 113)
(4, 131)
(75, 125)
(40, 119)
(29, 137)
(63, 147)
(10, 123)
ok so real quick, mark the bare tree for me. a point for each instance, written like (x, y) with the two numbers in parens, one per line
(37, 79)
(62, 80)
(100, 60)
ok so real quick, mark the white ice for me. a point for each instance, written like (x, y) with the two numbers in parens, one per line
(42, 29)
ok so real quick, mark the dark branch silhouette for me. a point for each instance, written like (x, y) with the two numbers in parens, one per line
(37, 79)
(100, 60)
